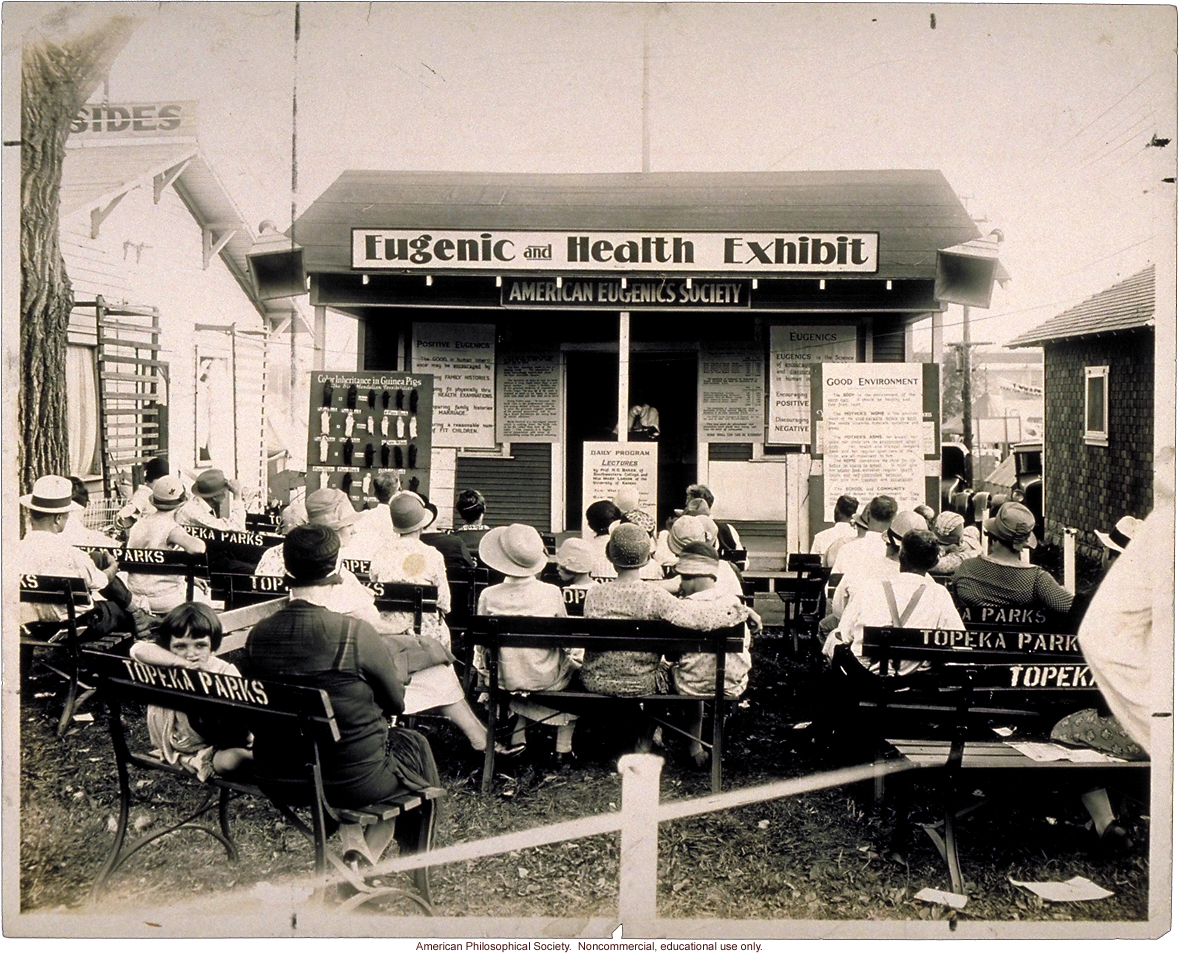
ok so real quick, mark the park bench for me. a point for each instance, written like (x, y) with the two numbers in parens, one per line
(803, 596)
(166, 563)
(977, 680)
(262, 523)
(648, 636)
(62, 638)
(234, 552)
(466, 584)
(244, 590)
(303, 716)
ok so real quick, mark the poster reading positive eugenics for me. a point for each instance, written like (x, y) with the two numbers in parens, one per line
(364, 423)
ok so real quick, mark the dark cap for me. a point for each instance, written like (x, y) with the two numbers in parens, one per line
(310, 552)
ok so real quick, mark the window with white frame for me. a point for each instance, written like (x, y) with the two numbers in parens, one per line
(1097, 404)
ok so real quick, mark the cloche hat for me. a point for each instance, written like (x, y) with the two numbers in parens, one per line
(516, 550)
(409, 512)
(576, 555)
(629, 546)
(1013, 523)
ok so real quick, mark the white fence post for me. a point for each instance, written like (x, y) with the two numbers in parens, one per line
(1069, 546)
(638, 839)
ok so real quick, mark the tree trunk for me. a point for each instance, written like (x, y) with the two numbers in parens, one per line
(57, 77)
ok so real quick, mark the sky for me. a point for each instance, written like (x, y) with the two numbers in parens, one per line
(1039, 116)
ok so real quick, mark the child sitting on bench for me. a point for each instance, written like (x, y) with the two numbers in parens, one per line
(518, 552)
(188, 636)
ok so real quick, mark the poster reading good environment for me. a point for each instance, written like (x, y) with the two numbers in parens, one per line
(462, 359)
(793, 349)
(873, 438)
(610, 466)
(362, 423)
(528, 396)
(730, 390)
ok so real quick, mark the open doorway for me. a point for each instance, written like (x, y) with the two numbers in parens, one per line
(666, 381)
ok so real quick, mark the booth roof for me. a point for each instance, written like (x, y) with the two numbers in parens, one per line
(1129, 304)
(916, 212)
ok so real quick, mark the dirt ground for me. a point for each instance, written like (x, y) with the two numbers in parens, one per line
(833, 854)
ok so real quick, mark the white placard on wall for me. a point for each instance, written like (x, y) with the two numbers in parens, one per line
(528, 396)
(729, 392)
(793, 350)
(462, 359)
(610, 466)
(874, 438)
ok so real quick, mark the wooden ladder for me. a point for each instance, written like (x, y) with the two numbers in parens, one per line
(131, 381)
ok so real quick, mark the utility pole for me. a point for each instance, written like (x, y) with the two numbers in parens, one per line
(969, 464)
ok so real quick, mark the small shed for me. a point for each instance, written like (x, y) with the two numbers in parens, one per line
(1099, 409)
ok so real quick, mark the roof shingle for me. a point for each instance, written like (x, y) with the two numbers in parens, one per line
(1129, 304)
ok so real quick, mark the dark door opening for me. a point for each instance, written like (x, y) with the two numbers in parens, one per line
(591, 411)
(667, 382)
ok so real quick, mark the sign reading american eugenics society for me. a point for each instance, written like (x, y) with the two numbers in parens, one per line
(462, 359)
(793, 350)
(439, 250)
(872, 433)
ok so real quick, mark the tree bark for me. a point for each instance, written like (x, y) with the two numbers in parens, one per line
(57, 77)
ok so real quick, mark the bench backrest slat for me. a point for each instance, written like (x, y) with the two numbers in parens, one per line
(601, 634)
(240, 589)
(1001, 660)
(1010, 620)
(164, 563)
(59, 591)
(199, 693)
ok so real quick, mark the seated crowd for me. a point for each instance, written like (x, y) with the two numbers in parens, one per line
(378, 665)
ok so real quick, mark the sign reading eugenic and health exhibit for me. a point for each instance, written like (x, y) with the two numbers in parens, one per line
(611, 466)
(793, 350)
(730, 392)
(441, 250)
(462, 359)
(528, 396)
(871, 432)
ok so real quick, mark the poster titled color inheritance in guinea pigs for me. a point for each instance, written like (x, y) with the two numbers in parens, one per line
(363, 423)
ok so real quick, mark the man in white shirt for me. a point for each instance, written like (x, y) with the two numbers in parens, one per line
(43, 550)
(843, 514)
(876, 567)
(908, 598)
(214, 504)
(373, 527)
(882, 511)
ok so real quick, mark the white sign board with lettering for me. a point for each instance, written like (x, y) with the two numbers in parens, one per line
(528, 396)
(462, 359)
(729, 392)
(610, 466)
(872, 434)
(793, 350)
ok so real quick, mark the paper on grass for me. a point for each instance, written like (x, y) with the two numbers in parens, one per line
(1077, 889)
(949, 899)
(1051, 752)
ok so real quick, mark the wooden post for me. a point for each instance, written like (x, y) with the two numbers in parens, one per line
(638, 840)
(1069, 547)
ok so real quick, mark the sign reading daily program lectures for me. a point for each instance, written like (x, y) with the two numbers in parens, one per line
(528, 396)
(610, 466)
(462, 359)
(793, 350)
(871, 432)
